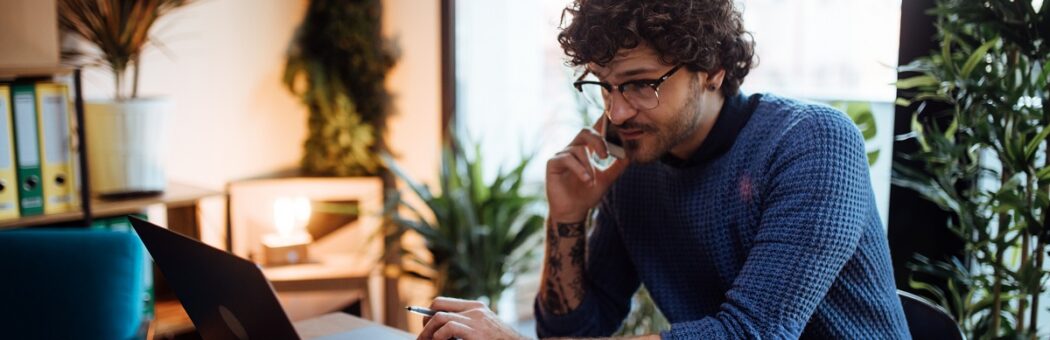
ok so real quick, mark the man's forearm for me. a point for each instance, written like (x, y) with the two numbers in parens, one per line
(563, 289)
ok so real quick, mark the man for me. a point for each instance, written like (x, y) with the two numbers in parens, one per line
(747, 217)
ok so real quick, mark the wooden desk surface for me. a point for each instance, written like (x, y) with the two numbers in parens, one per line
(328, 267)
(336, 323)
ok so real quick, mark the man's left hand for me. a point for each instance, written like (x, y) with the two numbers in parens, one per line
(467, 320)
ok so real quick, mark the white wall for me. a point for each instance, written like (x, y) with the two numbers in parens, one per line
(234, 119)
(415, 82)
(415, 130)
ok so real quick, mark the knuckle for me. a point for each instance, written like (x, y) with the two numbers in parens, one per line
(446, 331)
(480, 311)
(558, 159)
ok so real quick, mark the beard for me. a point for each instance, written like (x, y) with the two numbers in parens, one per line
(661, 137)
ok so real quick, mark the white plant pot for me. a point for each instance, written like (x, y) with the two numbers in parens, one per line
(125, 144)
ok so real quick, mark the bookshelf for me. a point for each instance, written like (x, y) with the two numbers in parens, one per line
(179, 199)
(51, 72)
(177, 195)
(33, 72)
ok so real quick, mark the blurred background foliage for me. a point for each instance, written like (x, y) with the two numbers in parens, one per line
(983, 157)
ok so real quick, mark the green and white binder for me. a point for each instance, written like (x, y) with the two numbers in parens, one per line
(27, 149)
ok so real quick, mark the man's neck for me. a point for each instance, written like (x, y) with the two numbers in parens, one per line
(709, 111)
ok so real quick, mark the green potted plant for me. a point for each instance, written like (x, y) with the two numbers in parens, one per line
(125, 135)
(984, 158)
(481, 234)
(336, 65)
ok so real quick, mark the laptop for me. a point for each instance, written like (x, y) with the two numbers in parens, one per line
(228, 297)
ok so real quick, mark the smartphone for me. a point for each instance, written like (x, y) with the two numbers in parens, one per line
(612, 141)
(613, 145)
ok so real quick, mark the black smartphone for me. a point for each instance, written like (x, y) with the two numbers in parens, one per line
(612, 140)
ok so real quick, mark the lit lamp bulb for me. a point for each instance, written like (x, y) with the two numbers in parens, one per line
(301, 208)
(288, 244)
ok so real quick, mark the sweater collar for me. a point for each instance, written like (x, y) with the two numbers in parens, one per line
(732, 118)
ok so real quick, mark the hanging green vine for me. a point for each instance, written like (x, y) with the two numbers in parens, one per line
(337, 65)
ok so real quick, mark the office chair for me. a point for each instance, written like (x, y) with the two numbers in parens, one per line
(71, 284)
(928, 321)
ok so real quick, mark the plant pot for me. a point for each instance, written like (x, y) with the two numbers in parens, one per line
(125, 144)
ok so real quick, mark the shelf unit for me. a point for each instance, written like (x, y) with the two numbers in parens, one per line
(179, 199)
(13, 74)
(177, 195)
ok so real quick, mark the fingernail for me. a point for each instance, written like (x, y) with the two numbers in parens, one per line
(587, 177)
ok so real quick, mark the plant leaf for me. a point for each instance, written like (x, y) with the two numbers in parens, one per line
(1041, 80)
(917, 81)
(1033, 145)
(976, 57)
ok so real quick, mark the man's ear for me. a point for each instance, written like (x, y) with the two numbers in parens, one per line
(714, 80)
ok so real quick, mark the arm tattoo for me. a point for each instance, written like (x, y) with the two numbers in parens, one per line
(564, 277)
(577, 253)
(570, 229)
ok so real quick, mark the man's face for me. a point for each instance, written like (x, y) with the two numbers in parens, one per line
(649, 134)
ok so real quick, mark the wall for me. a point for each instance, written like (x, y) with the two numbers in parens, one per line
(415, 82)
(415, 132)
(222, 64)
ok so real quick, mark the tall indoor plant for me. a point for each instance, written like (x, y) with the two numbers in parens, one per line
(125, 134)
(336, 65)
(481, 234)
(984, 158)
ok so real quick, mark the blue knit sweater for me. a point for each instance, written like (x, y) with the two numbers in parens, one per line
(775, 237)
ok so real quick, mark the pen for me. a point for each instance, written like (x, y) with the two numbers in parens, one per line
(421, 310)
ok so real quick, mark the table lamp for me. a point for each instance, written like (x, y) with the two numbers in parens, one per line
(288, 244)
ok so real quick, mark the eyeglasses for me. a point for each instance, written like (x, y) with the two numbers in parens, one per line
(642, 94)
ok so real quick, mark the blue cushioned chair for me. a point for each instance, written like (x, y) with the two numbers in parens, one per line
(70, 284)
(928, 321)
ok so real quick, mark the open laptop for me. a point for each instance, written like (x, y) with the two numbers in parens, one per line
(227, 297)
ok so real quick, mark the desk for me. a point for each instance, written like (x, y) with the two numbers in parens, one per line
(303, 289)
(332, 273)
(335, 323)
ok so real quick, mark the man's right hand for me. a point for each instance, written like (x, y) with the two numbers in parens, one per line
(574, 185)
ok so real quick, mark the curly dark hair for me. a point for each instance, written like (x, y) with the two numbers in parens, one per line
(703, 35)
